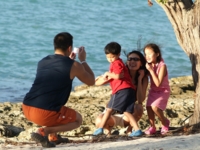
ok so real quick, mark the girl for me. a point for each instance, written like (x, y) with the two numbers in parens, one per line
(159, 88)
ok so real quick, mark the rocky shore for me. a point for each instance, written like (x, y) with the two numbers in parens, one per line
(90, 101)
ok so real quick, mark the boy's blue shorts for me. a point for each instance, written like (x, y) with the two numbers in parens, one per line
(123, 100)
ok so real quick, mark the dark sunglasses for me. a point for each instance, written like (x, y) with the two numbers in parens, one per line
(133, 58)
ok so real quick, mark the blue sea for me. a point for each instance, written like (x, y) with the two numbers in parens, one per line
(27, 29)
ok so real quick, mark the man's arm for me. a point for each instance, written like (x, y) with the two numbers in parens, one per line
(82, 70)
(83, 73)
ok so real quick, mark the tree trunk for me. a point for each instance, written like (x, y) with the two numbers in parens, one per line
(184, 16)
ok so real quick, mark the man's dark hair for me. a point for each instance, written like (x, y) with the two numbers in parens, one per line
(63, 40)
(113, 48)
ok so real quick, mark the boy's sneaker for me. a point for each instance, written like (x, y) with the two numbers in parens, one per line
(99, 131)
(57, 139)
(165, 128)
(136, 133)
(42, 139)
(150, 131)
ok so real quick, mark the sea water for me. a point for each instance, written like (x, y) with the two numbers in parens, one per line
(27, 29)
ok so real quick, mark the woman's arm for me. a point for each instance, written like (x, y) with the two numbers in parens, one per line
(141, 87)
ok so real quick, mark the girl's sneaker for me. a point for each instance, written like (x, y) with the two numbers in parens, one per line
(150, 131)
(165, 129)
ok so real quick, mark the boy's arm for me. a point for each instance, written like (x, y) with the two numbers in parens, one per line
(101, 81)
(112, 75)
(104, 79)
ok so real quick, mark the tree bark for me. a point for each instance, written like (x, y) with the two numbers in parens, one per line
(184, 16)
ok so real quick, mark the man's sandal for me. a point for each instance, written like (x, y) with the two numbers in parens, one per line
(42, 139)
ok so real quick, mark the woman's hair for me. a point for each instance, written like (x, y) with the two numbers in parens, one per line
(156, 50)
(143, 62)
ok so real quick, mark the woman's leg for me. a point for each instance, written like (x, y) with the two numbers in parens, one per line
(127, 124)
(108, 125)
(133, 123)
(132, 120)
(98, 120)
(138, 111)
(104, 119)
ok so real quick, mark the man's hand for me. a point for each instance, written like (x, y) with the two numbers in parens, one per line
(72, 55)
(148, 66)
(82, 54)
(141, 73)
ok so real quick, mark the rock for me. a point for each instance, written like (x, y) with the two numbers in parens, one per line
(176, 90)
(90, 101)
(10, 131)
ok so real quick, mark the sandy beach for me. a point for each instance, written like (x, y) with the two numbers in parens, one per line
(15, 129)
(184, 142)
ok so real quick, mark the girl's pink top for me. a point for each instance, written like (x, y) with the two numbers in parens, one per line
(158, 96)
(165, 83)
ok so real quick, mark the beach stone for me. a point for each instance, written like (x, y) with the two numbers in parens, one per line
(176, 90)
(10, 131)
(26, 134)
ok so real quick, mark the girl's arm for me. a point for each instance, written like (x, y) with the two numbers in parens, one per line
(158, 79)
(141, 87)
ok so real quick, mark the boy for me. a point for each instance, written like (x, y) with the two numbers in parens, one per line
(123, 91)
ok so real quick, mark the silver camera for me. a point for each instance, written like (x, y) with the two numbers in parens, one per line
(76, 50)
